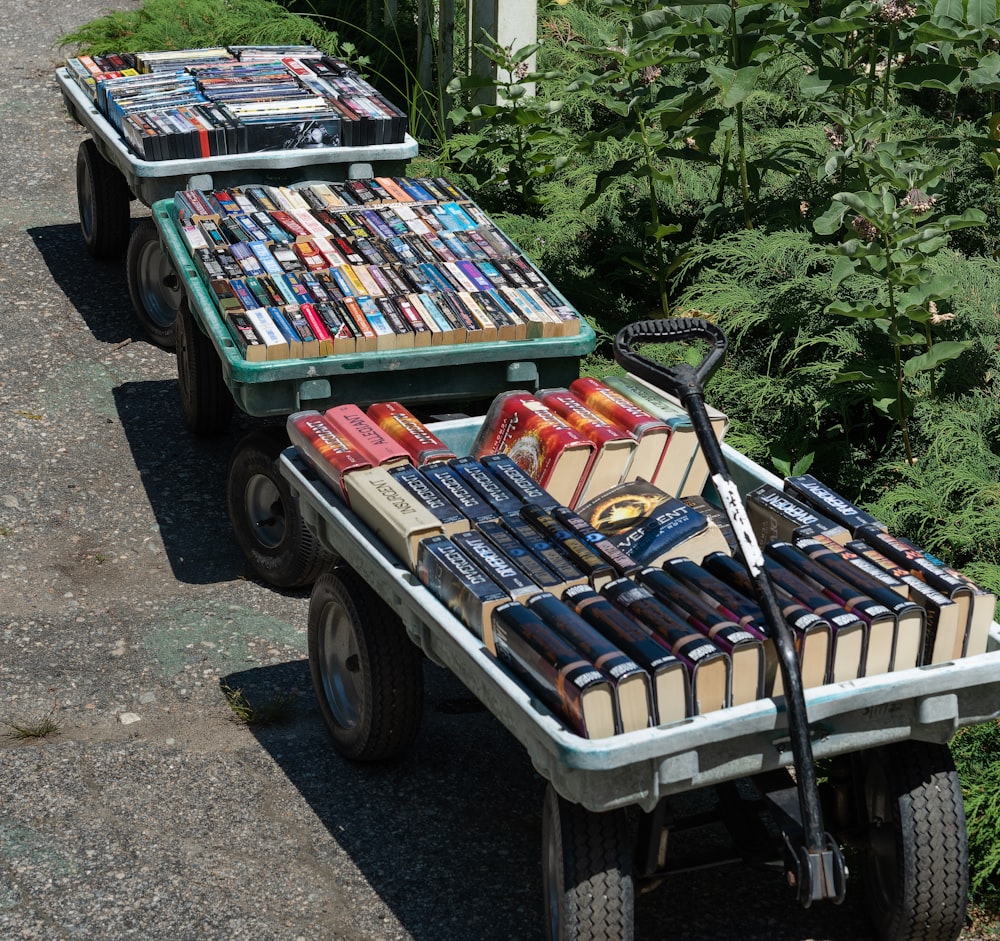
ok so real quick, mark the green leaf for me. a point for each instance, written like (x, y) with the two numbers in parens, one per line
(843, 268)
(930, 75)
(831, 220)
(861, 312)
(939, 353)
(734, 85)
(662, 231)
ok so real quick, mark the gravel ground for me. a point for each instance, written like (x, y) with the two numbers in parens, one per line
(127, 612)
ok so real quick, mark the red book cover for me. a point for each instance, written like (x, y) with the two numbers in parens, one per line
(409, 431)
(351, 423)
(323, 449)
(651, 433)
(318, 328)
(541, 443)
(613, 445)
(290, 224)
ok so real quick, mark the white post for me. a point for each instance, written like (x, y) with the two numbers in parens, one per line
(513, 24)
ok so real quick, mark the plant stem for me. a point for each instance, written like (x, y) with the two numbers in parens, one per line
(897, 357)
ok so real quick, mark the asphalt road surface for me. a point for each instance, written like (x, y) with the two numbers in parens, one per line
(127, 612)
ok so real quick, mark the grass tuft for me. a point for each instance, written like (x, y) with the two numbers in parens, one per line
(37, 728)
(272, 711)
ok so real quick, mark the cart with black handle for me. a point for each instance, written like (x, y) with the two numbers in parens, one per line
(891, 792)
(109, 175)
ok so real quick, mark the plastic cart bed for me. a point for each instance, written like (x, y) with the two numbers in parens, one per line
(109, 175)
(891, 790)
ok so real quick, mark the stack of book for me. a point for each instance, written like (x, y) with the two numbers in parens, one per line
(611, 645)
(359, 266)
(196, 103)
(585, 440)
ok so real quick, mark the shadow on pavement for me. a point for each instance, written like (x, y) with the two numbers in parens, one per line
(450, 835)
(185, 481)
(97, 288)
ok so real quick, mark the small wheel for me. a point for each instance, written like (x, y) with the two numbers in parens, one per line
(153, 284)
(916, 862)
(103, 197)
(265, 517)
(586, 873)
(367, 675)
(206, 405)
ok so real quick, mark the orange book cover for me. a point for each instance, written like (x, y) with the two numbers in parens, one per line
(613, 445)
(545, 446)
(410, 432)
(651, 433)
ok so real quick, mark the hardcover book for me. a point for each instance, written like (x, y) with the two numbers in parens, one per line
(401, 521)
(776, 516)
(461, 494)
(460, 585)
(501, 499)
(707, 665)
(687, 469)
(946, 621)
(911, 619)
(977, 604)
(813, 631)
(733, 605)
(745, 648)
(554, 670)
(650, 526)
(598, 571)
(397, 421)
(828, 502)
(420, 488)
(354, 425)
(520, 555)
(507, 575)
(670, 694)
(632, 686)
(510, 474)
(879, 619)
(613, 446)
(652, 435)
(565, 569)
(538, 440)
(622, 564)
(325, 451)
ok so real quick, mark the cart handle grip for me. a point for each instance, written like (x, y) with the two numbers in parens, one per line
(677, 380)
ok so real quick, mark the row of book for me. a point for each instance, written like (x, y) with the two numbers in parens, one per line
(610, 643)
(582, 441)
(362, 265)
(210, 102)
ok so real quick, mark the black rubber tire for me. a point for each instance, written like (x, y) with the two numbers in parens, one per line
(915, 867)
(269, 529)
(206, 403)
(589, 890)
(153, 285)
(367, 675)
(102, 196)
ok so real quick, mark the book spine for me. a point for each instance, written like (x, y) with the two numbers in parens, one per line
(545, 549)
(366, 435)
(423, 446)
(460, 584)
(621, 562)
(520, 555)
(508, 576)
(323, 449)
(598, 571)
(510, 474)
(828, 502)
(776, 516)
(551, 667)
(431, 498)
(451, 484)
(501, 499)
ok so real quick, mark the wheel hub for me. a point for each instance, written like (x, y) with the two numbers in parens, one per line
(265, 511)
(340, 665)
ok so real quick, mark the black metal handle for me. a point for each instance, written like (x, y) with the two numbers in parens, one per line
(679, 379)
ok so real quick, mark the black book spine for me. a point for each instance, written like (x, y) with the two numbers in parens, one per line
(486, 485)
(519, 554)
(494, 563)
(601, 544)
(544, 549)
(809, 490)
(510, 474)
(427, 494)
(451, 484)
(598, 571)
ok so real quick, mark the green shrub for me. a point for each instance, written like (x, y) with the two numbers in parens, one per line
(190, 24)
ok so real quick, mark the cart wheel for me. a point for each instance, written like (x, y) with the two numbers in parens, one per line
(103, 196)
(916, 864)
(367, 674)
(206, 404)
(586, 872)
(153, 284)
(265, 517)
